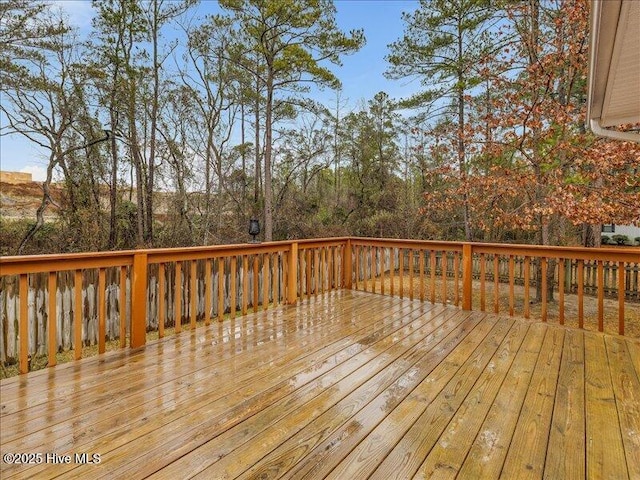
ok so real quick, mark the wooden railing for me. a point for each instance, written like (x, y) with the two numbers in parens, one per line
(128, 297)
(470, 275)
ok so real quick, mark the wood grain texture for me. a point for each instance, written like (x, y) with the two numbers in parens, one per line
(345, 385)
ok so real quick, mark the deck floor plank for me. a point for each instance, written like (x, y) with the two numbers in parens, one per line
(526, 456)
(172, 440)
(566, 452)
(626, 388)
(346, 384)
(329, 436)
(446, 458)
(605, 450)
(491, 445)
(407, 456)
(227, 455)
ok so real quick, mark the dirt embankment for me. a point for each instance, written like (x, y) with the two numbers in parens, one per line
(19, 201)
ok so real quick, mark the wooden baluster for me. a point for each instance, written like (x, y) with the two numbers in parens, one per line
(308, 268)
(543, 312)
(123, 307)
(561, 291)
(432, 255)
(221, 280)
(496, 284)
(23, 326)
(177, 298)
(301, 272)
(234, 288)
(162, 285)
(527, 275)
(411, 274)
(330, 268)
(275, 279)
(291, 275)
(207, 292)
(483, 287)
(401, 271)
(365, 261)
(373, 270)
(600, 296)
(265, 281)
(256, 284)
(52, 319)
(467, 277)
(382, 254)
(580, 293)
(323, 275)
(392, 270)
(336, 269)
(245, 284)
(316, 271)
(356, 250)
(77, 317)
(456, 278)
(193, 311)
(443, 272)
(102, 310)
(621, 295)
(421, 273)
(511, 285)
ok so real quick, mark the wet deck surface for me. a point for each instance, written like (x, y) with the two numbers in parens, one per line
(348, 385)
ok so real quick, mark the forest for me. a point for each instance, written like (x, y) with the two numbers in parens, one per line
(214, 117)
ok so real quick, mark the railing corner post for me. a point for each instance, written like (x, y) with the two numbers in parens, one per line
(348, 269)
(467, 276)
(139, 300)
(292, 275)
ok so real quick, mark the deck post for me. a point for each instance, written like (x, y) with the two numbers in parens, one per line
(347, 268)
(292, 275)
(139, 300)
(467, 276)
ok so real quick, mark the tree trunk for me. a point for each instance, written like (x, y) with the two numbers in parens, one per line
(268, 214)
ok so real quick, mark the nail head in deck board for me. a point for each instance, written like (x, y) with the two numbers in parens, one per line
(605, 451)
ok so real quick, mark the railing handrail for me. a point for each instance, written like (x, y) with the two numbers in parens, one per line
(125, 257)
(294, 251)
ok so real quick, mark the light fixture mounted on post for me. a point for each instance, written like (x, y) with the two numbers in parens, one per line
(254, 229)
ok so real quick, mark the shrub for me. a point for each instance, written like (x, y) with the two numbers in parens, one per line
(621, 239)
(636, 241)
(606, 240)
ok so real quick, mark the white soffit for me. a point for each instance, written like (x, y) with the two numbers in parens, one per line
(614, 77)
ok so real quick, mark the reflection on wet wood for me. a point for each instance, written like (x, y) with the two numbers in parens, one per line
(342, 385)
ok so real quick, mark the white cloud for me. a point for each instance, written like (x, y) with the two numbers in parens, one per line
(38, 174)
(80, 12)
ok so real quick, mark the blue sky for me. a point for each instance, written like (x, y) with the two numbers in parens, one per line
(361, 74)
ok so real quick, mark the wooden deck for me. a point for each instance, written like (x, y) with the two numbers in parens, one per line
(347, 385)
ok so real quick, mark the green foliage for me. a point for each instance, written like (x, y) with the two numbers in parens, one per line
(619, 239)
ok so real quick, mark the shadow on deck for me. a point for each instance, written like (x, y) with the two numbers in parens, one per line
(346, 385)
